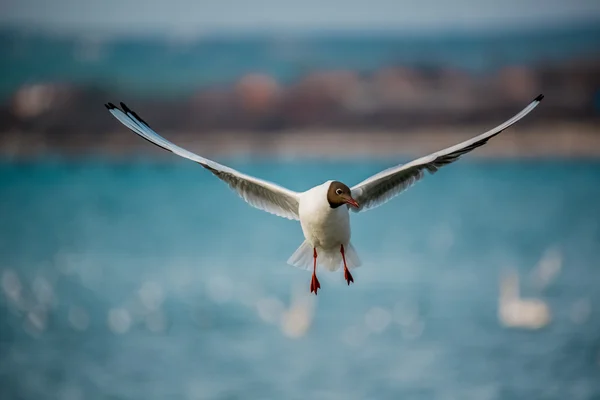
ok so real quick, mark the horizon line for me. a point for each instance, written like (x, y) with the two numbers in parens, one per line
(579, 24)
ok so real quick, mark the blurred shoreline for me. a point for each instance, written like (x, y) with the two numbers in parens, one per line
(568, 140)
(329, 96)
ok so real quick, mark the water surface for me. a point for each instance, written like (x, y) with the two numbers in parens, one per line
(153, 281)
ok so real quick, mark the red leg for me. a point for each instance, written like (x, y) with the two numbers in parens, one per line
(314, 283)
(347, 274)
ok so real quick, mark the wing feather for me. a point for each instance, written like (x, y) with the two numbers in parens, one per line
(260, 194)
(384, 186)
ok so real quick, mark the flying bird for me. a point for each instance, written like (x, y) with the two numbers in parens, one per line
(323, 211)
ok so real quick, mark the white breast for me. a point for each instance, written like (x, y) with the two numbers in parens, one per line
(324, 227)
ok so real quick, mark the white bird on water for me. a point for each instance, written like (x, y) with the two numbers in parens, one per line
(323, 211)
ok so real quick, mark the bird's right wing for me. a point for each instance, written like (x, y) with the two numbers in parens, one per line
(258, 193)
(386, 185)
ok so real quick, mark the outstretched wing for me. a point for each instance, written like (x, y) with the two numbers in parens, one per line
(258, 193)
(386, 185)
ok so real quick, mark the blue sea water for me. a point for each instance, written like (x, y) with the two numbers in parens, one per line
(178, 67)
(148, 280)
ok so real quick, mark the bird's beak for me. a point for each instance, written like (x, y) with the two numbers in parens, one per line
(349, 200)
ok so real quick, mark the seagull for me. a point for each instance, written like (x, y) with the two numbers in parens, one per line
(323, 211)
(515, 311)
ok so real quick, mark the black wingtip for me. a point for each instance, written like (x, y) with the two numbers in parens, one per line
(539, 98)
(124, 107)
(110, 106)
(129, 111)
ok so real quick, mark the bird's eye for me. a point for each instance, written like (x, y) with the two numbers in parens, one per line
(338, 192)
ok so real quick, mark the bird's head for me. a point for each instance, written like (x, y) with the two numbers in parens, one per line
(340, 194)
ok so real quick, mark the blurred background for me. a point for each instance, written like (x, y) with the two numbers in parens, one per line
(129, 273)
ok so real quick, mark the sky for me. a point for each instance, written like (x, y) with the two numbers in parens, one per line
(189, 17)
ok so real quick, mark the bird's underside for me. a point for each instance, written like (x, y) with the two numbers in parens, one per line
(370, 193)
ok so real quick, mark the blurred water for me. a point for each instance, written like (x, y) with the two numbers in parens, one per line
(169, 66)
(152, 281)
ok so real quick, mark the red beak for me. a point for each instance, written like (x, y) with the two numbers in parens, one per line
(351, 201)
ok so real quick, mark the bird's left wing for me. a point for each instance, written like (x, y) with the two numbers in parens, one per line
(386, 185)
(258, 193)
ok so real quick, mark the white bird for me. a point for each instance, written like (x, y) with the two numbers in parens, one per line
(323, 210)
(515, 311)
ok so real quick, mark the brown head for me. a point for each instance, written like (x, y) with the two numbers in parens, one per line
(340, 194)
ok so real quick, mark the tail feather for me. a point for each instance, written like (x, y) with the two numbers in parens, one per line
(352, 259)
(330, 259)
(302, 257)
